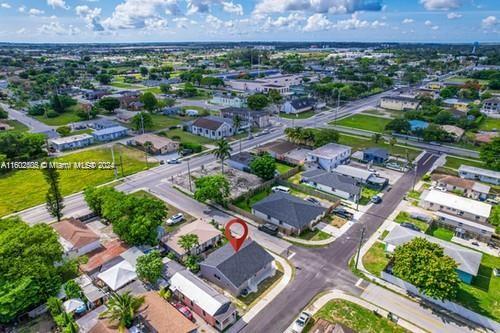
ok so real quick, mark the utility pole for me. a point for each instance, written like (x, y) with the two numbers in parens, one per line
(189, 175)
(114, 163)
(415, 176)
(359, 246)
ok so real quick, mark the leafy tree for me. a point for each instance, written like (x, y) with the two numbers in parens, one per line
(22, 146)
(149, 266)
(122, 309)
(188, 242)
(399, 126)
(144, 71)
(444, 117)
(257, 101)
(64, 130)
(324, 136)
(192, 263)
(38, 110)
(215, 188)
(87, 115)
(425, 265)
(435, 133)
(490, 153)
(264, 166)
(495, 218)
(150, 101)
(66, 322)
(448, 92)
(142, 120)
(3, 114)
(376, 137)
(54, 197)
(494, 84)
(165, 88)
(222, 152)
(28, 275)
(109, 104)
(104, 78)
(72, 289)
(95, 196)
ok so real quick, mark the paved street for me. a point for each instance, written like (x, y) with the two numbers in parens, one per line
(34, 125)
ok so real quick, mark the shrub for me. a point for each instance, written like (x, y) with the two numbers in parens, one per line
(52, 114)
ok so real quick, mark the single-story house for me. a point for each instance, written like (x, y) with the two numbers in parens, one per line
(208, 237)
(229, 100)
(457, 104)
(255, 118)
(297, 156)
(292, 214)
(215, 308)
(399, 103)
(333, 183)
(469, 188)
(171, 110)
(71, 142)
(362, 176)
(375, 155)
(213, 127)
(455, 131)
(238, 271)
(93, 294)
(277, 149)
(118, 275)
(76, 238)
(94, 94)
(241, 161)
(483, 175)
(110, 133)
(452, 204)
(159, 144)
(491, 107)
(102, 124)
(99, 258)
(329, 156)
(299, 105)
(468, 261)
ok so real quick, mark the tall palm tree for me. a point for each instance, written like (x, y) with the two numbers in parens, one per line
(237, 125)
(188, 241)
(122, 309)
(222, 152)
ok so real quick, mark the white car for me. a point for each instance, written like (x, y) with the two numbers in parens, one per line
(282, 189)
(301, 322)
(177, 218)
(440, 188)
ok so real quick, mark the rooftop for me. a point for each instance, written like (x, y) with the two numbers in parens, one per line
(333, 180)
(205, 232)
(351, 171)
(330, 150)
(75, 233)
(243, 158)
(456, 202)
(479, 171)
(110, 130)
(103, 255)
(461, 182)
(210, 122)
(72, 138)
(157, 141)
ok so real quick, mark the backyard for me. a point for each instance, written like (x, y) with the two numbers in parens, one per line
(490, 124)
(364, 122)
(355, 317)
(17, 194)
(375, 260)
(439, 232)
(282, 168)
(246, 204)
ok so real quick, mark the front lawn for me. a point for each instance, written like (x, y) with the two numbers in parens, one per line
(405, 217)
(366, 195)
(248, 203)
(455, 162)
(361, 143)
(440, 233)
(364, 122)
(355, 317)
(490, 124)
(302, 115)
(186, 137)
(26, 188)
(314, 235)
(375, 260)
(283, 168)
(483, 295)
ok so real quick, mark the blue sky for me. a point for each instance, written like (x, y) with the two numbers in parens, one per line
(249, 20)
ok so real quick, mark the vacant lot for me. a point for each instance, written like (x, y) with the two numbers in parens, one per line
(26, 188)
(365, 122)
(455, 162)
(16, 126)
(186, 137)
(63, 119)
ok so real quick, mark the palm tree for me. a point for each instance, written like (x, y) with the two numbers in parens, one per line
(188, 241)
(237, 125)
(122, 309)
(222, 152)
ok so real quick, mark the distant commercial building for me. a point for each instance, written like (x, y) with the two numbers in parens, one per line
(281, 83)
(399, 103)
(71, 142)
(110, 133)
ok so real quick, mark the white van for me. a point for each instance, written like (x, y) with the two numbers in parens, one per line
(280, 189)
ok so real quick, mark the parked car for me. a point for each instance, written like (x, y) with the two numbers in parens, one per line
(269, 228)
(410, 226)
(301, 322)
(440, 188)
(376, 199)
(177, 218)
(174, 161)
(283, 189)
(342, 212)
(314, 201)
(185, 311)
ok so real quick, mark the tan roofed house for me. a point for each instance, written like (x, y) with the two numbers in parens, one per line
(159, 144)
(76, 238)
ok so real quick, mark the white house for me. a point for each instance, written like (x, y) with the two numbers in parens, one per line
(399, 103)
(229, 100)
(213, 127)
(333, 183)
(300, 105)
(483, 175)
(329, 156)
(71, 142)
(491, 107)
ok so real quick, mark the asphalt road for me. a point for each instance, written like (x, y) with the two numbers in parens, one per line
(34, 125)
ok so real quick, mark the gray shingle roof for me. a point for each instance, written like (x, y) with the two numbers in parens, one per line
(289, 209)
(302, 103)
(239, 266)
(333, 180)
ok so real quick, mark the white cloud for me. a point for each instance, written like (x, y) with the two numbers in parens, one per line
(441, 4)
(284, 22)
(57, 3)
(21, 31)
(378, 24)
(91, 16)
(231, 7)
(490, 22)
(435, 27)
(217, 23)
(407, 21)
(317, 22)
(56, 28)
(353, 23)
(317, 6)
(156, 23)
(428, 23)
(454, 16)
(35, 12)
(21, 9)
(5, 5)
(132, 14)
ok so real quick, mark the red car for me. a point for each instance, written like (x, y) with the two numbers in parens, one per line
(184, 310)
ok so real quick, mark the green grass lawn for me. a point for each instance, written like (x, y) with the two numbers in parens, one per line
(302, 115)
(366, 195)
(364, 122)
(160, 121)
(360, 143)
(282, 168)
(440, 233)
(83, 131)
(405, 217)
(247, 204)
(355, 317)
(154, 90)
(385, 112)
(483, 295)
(375, 260)
(26, 188)
(455, 162)
(187, 137)
(463, 79)
(490, 124)
(314, 235)
(63, 119)
(16, 125)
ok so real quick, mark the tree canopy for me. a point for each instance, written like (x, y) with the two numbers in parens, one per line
(142, 120)
(150, 101)
(149, 266)
(263, 166)
(215, 188)
(109, 104)
(257, 101)
(490, 153)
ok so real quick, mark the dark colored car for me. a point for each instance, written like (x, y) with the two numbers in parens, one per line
(269, 228)
(410, 226)
(339, 211)
(376, 199)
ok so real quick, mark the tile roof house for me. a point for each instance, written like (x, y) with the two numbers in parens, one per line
(215, 308)
(213, 127)
(468, 261)
(76, 238)
(102, 256)
(277, 149)
(292, 214)
(333, 183)
(238, 271)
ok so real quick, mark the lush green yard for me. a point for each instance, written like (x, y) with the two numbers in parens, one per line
(360, 143)
(282, 168)
(160, 121)
(154, 90)
(366, 195)
(455, 162)
(385, 112)
(16, 125)
(123, 85)
(490, 124)
(303, 115)
(375, 260)
(440, 233)
(483, 295)
(247, 204)
(314, 235)
(364, 122)
(187, 137)
(63, 119)
(355, 317)
(26, 188)
(405, 217)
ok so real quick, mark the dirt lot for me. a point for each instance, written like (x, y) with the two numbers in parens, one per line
(240, 181)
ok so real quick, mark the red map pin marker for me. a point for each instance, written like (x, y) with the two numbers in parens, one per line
(236, 242)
